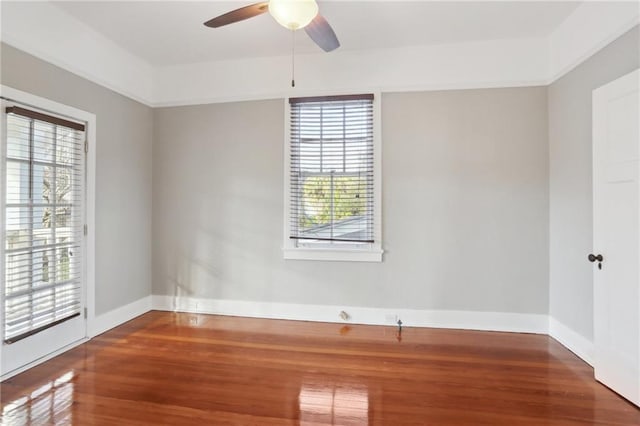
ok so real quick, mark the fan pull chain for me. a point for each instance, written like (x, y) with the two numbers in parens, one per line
(293, 56)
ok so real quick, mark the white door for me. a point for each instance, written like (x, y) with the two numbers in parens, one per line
(616, 196)
(43, 216)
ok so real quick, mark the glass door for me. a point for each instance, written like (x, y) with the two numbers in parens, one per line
(43, 232)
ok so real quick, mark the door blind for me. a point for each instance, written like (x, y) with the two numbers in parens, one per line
(44, 221)
(331, 169)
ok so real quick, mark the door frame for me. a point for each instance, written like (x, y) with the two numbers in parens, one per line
(10, 94)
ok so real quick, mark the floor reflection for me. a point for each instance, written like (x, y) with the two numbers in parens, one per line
(48, 404)
(337, 404)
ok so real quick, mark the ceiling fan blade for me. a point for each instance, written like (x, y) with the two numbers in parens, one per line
(238, 15)
(322, 34)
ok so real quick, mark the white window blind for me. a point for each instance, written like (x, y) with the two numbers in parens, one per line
(332, 169)
(44, 221)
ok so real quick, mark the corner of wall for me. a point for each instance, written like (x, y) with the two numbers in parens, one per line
(573, 341)
(118, 316)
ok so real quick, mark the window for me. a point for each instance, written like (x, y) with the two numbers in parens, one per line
(332, 158)
(44, 217)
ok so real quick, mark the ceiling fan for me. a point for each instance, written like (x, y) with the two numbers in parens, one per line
(291, 14)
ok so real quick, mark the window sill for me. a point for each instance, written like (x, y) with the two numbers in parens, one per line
(345, 255)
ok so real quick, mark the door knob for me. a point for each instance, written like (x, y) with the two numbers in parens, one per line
(596, 258)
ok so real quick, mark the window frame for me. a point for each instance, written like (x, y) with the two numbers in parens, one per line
(336, 251)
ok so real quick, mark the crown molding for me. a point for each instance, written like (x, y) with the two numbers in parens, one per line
(496, 63)
(590, 27)
(51, 34)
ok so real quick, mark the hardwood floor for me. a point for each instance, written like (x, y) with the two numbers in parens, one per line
(168, 368)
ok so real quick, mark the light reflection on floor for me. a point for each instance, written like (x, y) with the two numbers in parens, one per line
(337, 404)
(48, 404)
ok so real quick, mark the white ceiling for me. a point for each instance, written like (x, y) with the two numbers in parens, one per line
(172, 32)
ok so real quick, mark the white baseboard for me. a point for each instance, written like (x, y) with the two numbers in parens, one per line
(471, 320)
(114, 318)
(468, 320)
(571, 340)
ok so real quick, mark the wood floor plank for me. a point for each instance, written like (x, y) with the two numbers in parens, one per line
(171, 369)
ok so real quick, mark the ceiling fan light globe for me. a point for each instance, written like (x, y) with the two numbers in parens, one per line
(293, 14)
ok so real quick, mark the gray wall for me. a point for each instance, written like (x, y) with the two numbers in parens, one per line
(470, 218)
(123, 173)
(571, 219)
(465, 206)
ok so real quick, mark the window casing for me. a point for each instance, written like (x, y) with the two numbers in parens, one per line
(332, 178)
